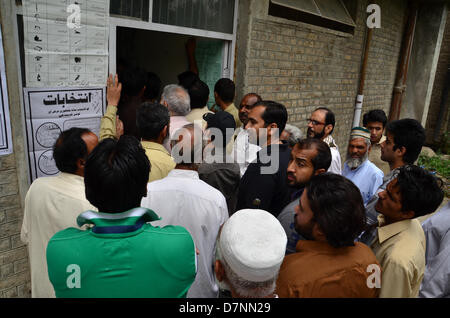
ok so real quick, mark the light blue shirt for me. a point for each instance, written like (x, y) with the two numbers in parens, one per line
(367, 177)
(436, 280)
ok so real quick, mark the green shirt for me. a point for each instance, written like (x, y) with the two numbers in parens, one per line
(121, 256)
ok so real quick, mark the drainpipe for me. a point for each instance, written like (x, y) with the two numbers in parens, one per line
(405, 55)
(360, 97)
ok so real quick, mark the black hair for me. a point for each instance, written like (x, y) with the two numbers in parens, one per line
(322, 160)
(199, 93)
(407, 133)
(225, 88)
(151, 118)
(375, 115)
(152, 87)
(274, 113)
(133, 81)
(186, 79)
(116, 175)
(68, 148)
(330, 119)
(338, 208)
(421, 192)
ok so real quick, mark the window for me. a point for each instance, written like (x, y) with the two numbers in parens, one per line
(138, 9)
(211, 15)
(331, 14)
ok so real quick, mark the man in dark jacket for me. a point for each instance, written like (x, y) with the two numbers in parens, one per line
(263, 185)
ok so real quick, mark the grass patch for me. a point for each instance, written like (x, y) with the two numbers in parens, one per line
(436, 164)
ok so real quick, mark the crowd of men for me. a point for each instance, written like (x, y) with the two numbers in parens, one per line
(174, 200)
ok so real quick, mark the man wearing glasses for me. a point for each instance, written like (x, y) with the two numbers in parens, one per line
(321, 126)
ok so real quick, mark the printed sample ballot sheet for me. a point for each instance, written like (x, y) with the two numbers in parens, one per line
(6, 146)
(66, 42)
(48, 112)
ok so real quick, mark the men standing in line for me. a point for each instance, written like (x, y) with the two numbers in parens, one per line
(263, 185)
(241, 149)
(183, 199)
(309, 157)
(122, 255)
(375, 121)
(53, 203)
(321, 126)
(404, 141)
(218, 169)
(153, 127)
(399, 240)
(358, 168)
(224, 93)
(330, 215)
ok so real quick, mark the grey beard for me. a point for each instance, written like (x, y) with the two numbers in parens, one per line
(354, 163)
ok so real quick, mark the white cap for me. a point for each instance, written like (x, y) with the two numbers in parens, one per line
(253, 244)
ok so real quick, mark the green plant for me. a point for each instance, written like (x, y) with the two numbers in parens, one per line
(437, 164)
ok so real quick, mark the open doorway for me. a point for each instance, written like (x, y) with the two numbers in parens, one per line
(165, 54)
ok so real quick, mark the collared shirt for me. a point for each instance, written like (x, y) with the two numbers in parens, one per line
(336, 165)
(243, 151)
(220, 172)
(51, 205)
(161, 161)
(367, 177)
(264, 185)
(319, 270)
(400, 249)
(235, 112)
(375, 156)
(121, 256)
(196, 114)
(371, 213)
(183, 199)
(286, 218)
(436, 280)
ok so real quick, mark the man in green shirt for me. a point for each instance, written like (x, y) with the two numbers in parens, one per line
(121, 255)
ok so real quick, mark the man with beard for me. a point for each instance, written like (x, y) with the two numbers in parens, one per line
(152, 120)
(321, 126)
(330, 214)
(358, 168)
(309, 157)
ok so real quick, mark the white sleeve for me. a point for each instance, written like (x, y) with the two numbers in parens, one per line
(335, 166)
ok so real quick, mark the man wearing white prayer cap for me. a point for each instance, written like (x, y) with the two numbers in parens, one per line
(250, 250)
(358, 168)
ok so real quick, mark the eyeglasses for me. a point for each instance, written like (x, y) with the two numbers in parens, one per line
(314, 122)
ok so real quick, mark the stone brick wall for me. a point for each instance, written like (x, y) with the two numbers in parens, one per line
(304, 66)
(14, 267)
(435, 103)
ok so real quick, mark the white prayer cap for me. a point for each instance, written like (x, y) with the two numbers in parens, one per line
(253, 244)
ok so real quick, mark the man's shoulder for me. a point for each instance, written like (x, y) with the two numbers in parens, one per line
(67, 236)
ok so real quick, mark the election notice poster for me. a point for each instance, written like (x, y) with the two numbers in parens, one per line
(48, 112)
(66, 42)
(5, 123)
